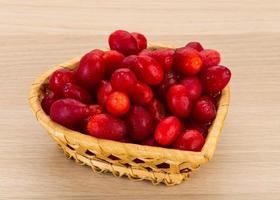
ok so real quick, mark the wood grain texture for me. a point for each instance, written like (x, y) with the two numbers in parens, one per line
(35, 35)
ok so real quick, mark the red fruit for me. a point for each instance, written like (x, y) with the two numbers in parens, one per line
(145, 52)
(83, 125)
(170, 78)
(106, 126)
(178, 100)
(200, 127)
(140, 123)
(129, 61)
(95, 109)
(214, 79)
(187, 61)
(73, 91)
(126, 140)
(123, 80)
(48, 100)
(97, 52)
(168, 130)
(123, 42)
(103, 92)
(204, 110)
(193, 86)
(164, 57)
(117, 103)
(210, 57)
(142, 94)
(91, 70)
(150, 142)
(68, 112)
(195, 45)
(59, 78)
(157, 109)
(190, 140)
(141, 41)
(148, 70)
(113, 60)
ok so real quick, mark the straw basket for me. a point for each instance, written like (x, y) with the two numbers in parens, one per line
(137, 162)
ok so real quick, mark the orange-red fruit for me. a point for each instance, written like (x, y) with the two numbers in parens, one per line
(142, 94)
(178, 100)
(91, 70)
(187, 61)
(190, 140)
(117, 103)
(106, 126)
(113, 60)
(210, 57)
(168, 130)
(103, 92)
(148, 70)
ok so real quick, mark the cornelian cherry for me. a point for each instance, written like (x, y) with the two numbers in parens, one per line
(48, 100)
(73, 91)
(123, 80)
(59, 78)
(164, 57)
(157, 109)
(103, 92)
(190, 140)
(204, 110)
(195, 45)
(113, 60)
(193, 86)
(140, 40)
(142, 94)
(210, 57)
(117, 103)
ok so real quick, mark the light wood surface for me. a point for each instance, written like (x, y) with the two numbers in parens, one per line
(35, 35)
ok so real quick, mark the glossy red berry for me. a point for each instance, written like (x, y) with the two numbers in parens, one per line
(123, 42)
(48, 100)
(168, 130)
(59, 78)
(142, 94)
(129, 61)
(187, 61)
(195, 45)
(150, 142)
(204, 110)
(106, 126)
(214, 79)
(157, 109)
(97, 52)
(91, 70)
(73, 91)
(190, 140)
(148, 70)
(123, 80)
(170, 78)
(193, 86)
(117, 103)
(210, 57)
(113, 60)
(95, 109)
(141, 40)
(68, 112)
(103, 92)
(145, 52)
(200, 127)
(164, 57)
(140, 123)
(178, 100)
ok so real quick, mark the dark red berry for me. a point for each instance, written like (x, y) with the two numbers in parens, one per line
(113, 60)
(164, 57)
(193, 86)
(123, 42)
(129, 61)
(200, 127)
(190, 140)
(103, 92)
(142, 94)
(178, 100)
(145, 52)
(73, 91)
(106, 126)
(210, 57)
(48, 100)
(157, 109)
(214, 79)
(117, 103)
(141, 40)
(204, 110)
(95, 109)
(170, 78)
(187, 61)
(150, 142)
(168, 130)
(91, 70)
(195, 45)
(140, 123)
(68, 112)
(59, 78)
(123, 80)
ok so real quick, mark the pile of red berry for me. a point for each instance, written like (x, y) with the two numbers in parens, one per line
(164, 97)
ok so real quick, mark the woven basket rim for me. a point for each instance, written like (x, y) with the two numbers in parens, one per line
(128, 148)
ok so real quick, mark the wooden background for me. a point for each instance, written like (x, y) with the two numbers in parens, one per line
(35, 35)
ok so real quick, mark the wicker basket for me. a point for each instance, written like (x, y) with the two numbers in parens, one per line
(137, 162)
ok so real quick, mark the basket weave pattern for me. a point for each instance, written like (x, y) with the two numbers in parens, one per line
(137, 162)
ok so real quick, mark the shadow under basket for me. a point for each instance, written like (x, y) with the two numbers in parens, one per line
(137, 162)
